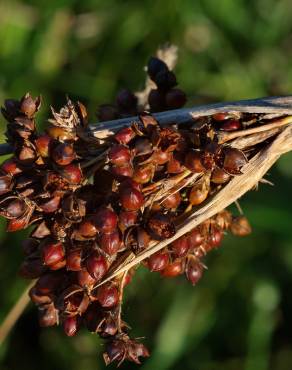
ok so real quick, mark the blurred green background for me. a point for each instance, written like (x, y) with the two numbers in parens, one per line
(239, 316)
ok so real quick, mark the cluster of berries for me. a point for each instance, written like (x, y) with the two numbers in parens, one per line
(93, 206)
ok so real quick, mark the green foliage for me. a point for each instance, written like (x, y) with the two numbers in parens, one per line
(238, 317)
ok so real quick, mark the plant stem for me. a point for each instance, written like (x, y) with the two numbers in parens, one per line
(15, 313)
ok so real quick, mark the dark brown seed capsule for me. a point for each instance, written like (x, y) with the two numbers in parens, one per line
(29, 106)
(127, 219)
(130, 183)
(126, 100)
(63, 154)
(16, 208)
(16, 224)
(11, 167)
(38, 298)
(234, 160)
(173, 269)
(106, 220)
(108, 295)
(161, 157)
(172, 201)
(195, 238)
(73, 259)
(96, 265)
(181, 246)
(144, 174)
(158, 261)
(5, 184)
(219, 176)
(84, 279)
(26, 154)
(48, 315)
(110, 243)
(125, 135)
(175, 99)
(194, 271)
(193, 162)
(52, 252)
(71, 325)
(155, 66)
(60, 133)
(51, 205)
(240, 226)
(119, 155)
(215, 237)
(87, 228)
(131, 199)
(160, 226)
(231, 125)
(43, 144)
(50, 282)
(165, 80)
(72, 173)
(198, 194)
(221, 116)
(156, 100)
(122, 172)
(174, 165)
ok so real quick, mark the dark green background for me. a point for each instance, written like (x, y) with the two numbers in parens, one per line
(239, 317)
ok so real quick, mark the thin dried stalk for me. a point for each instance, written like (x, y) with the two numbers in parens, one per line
(271, 106)
(253, 172)
(14, 313)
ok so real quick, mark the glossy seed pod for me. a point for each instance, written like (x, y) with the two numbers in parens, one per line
(110, 243)
(172, 201)
(16, 208)
(143, 174)
(125, 135)
(122, 172)
(71, 325)
(106, 220)
(108, 295)
(198, 194)
(231, 125)
(96, 265)
(160, 226)
(127, 219)
(194, 271)
(52, 252)
(43, 144)
(119, 155)
(158, 261)
(63, 154)
(173, 269)
(234, 160)
(131, 199)
(193, 162)
(180, 246)
(240, 226)
(73, 259)
(219, 176)
(11, 167)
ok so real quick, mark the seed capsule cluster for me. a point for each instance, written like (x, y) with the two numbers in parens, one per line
(93, 205)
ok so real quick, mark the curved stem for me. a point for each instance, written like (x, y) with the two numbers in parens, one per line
(14, 314)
